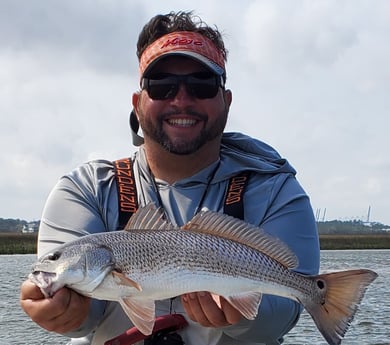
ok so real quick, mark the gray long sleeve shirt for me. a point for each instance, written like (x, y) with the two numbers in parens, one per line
(85, 201)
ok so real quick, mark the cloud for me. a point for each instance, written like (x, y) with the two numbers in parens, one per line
(93, 32)
(310, 78)
(296, 38)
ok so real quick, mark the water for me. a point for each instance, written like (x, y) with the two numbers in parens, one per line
(370, 327)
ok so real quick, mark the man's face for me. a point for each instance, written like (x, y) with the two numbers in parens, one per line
(183, 123)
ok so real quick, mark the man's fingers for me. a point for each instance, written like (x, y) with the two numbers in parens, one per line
(211, 310)
(30, 291)
(232, 315)
(201, 307)
(194, 309)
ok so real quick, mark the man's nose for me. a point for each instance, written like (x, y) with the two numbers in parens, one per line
(183, 93)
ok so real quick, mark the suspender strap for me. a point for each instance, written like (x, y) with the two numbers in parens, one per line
(127, 191)
(234, 203)
(128, 199)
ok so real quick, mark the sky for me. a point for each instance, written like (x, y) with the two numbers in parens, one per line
(309, 77)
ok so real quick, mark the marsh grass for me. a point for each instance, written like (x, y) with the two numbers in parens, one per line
(18, 243)
(364, 241)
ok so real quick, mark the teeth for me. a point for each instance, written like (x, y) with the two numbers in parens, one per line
(182, 122)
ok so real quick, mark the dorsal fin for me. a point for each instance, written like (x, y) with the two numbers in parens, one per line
(222, 225)
(149, 217)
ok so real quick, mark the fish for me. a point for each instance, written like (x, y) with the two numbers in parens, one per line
(150, 259)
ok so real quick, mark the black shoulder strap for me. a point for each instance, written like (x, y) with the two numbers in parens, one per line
(128, 199)
(234, 203)
(127, 191)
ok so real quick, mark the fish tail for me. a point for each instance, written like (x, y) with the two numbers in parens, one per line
(340, 294)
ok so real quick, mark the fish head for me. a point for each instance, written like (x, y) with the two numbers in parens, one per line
(79, 266)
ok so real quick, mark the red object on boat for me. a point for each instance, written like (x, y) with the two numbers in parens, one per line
(168, 323)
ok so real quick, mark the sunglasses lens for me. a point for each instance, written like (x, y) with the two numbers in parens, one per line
(162, 91)
(203, 90)
(200, 85)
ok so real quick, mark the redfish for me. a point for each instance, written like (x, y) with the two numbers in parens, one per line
(153, 260)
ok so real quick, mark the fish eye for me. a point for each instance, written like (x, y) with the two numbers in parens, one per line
(54, 256)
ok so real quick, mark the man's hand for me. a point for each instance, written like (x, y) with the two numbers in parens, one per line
(62, 313)
(210, 310)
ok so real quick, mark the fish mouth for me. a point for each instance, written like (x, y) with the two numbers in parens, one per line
(45, 281)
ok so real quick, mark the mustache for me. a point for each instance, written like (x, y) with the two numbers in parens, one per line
(187, 111)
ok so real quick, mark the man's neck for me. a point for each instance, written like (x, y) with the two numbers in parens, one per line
(171, 167)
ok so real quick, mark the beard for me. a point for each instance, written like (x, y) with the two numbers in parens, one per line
(182, 146)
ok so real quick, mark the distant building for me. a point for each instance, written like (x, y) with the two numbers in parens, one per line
(31, 227)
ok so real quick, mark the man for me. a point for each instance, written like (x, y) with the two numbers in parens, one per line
(185, 163)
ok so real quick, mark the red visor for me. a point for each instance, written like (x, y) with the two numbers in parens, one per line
(183, 43)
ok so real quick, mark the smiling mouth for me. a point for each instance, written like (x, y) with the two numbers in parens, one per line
(182, 122)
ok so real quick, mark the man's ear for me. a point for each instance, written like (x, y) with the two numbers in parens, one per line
(135, 101)
(133, 120)
(228, 96)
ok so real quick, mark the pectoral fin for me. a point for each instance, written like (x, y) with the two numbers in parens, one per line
(121, 279)
(247, 304)
(140, 312)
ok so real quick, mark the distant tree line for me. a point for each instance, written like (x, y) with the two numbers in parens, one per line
(351, 227)
(329, 227)
(12, 225)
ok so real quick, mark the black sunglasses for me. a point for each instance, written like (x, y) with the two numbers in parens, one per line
(201, 85)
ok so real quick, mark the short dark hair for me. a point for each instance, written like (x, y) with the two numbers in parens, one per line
(163, 24)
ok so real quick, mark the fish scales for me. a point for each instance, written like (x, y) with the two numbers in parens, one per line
(149, 252)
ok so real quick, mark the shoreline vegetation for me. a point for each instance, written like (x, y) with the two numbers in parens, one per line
(19, 243)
